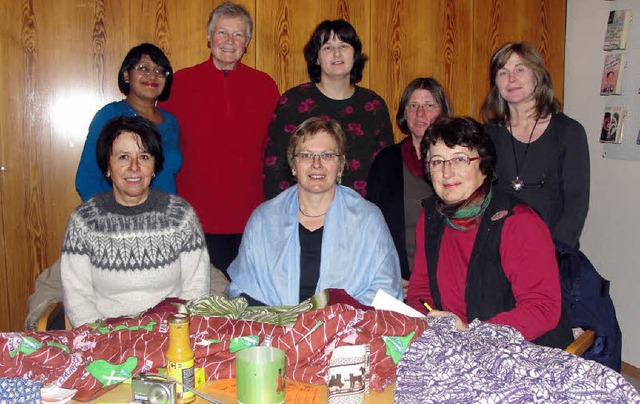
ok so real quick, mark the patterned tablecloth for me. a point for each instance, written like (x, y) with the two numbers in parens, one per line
(89, 358)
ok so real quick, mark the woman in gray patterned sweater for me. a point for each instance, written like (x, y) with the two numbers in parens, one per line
(126, 250)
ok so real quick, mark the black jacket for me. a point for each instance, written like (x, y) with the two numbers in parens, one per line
(487, 291)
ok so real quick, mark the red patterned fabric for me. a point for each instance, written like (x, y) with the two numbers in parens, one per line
(308, 346)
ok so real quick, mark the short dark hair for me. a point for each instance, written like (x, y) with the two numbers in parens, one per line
(461, 131)
(310, 127)
(150, 140)
(421, 83)
(345, 32)
(158, 57)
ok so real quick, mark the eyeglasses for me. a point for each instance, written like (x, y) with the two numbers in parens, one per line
(437, 164)
(224, 34)
(147, 70)
(414, 106)
(325, 157)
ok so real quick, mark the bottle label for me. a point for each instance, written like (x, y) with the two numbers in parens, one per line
(184, 373)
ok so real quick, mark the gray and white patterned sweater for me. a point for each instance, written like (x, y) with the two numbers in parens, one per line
(120, 260)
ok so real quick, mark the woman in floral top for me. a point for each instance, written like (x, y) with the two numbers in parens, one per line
(335, 63)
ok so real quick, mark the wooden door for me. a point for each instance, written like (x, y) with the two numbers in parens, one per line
(422, 39)
(541, 22)
(287, 27)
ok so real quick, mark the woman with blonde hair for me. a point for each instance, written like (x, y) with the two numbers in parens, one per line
(316, 234)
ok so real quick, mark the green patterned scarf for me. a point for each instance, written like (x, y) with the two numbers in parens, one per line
(466, 215)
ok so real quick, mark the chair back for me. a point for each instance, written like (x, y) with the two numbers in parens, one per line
(586, 299)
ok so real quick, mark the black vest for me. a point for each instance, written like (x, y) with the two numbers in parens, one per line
(487, 290)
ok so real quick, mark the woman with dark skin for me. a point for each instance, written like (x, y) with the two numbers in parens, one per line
(145, 77)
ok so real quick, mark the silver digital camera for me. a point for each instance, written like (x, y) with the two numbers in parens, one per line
(151, 389)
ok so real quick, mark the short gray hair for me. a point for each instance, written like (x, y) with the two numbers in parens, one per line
(230, 10)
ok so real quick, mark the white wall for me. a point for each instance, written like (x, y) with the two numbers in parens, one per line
(611, 237)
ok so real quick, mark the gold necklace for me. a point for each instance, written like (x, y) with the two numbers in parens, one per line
(311, 216)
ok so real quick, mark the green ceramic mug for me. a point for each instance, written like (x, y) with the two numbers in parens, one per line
(260, 375)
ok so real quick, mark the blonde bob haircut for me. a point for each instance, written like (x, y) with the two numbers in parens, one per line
(312, 126)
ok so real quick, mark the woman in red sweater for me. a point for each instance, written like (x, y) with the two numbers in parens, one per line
(479, 252)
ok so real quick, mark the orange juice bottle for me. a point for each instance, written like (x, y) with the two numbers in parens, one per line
(179, 356)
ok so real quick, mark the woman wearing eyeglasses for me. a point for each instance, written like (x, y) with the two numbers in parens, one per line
(316, 234)
(335, 63)
(145, 77)
(396, 181)
(481, 254)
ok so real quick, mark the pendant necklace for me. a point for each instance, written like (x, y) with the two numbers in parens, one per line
(310, 216)
(517, 183)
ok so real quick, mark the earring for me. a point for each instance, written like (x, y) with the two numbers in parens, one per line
(153, 175)
(126, 81)
(339, 179)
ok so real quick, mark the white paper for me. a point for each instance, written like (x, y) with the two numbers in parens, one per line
(384, 301)
(52, 394)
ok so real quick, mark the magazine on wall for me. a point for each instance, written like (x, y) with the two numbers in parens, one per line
(617, 29)
(612, 74)
(613, 124)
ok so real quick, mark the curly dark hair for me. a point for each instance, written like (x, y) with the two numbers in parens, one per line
(157, 56)
(460, 131)
(323, 33)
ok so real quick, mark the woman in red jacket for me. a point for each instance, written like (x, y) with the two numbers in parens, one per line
(481, 254)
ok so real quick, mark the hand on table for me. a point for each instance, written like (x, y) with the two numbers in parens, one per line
(405, 288)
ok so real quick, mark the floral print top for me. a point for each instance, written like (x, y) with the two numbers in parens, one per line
(364, 117)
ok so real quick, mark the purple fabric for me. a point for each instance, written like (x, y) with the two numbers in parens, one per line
(495, 364)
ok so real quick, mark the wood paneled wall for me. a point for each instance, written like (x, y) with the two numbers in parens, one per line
(60, 60)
